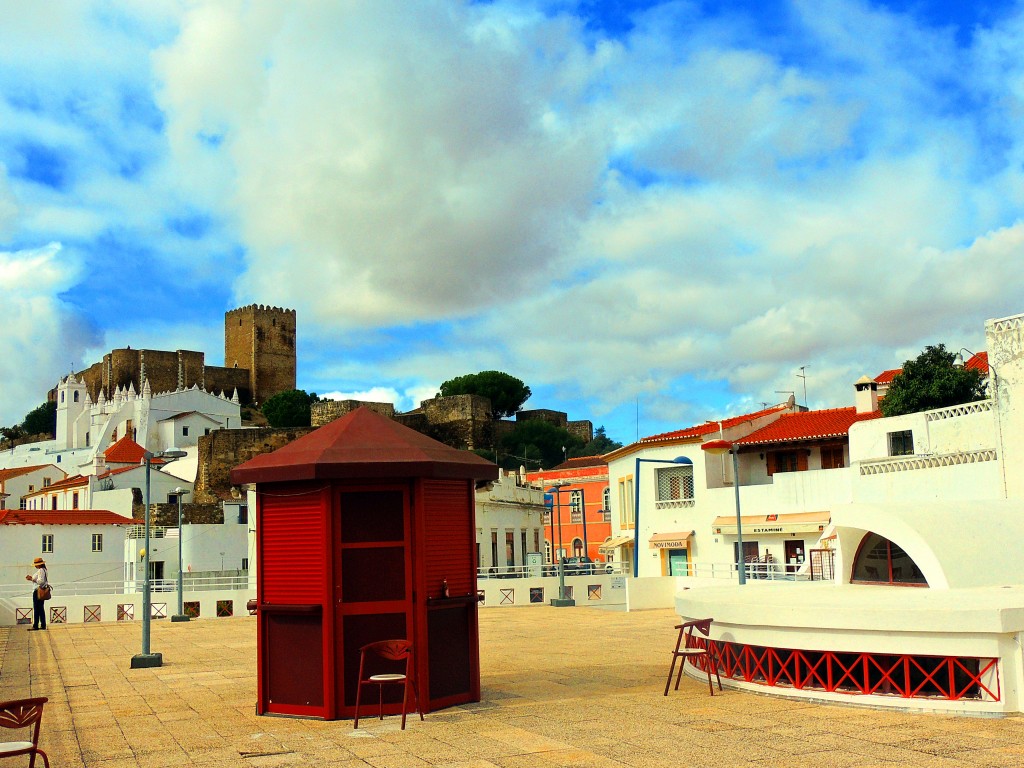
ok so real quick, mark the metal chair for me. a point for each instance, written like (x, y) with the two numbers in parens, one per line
(23, 713)
(691, 650)
(391, 651)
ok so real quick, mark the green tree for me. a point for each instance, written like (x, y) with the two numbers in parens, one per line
(41, 420)
(599, 446)
(536, 441)
(932, 381)
(506, 393)
(289, 409)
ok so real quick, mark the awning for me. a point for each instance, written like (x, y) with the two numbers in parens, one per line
(609, 547)
(671, 540)
(797, 522)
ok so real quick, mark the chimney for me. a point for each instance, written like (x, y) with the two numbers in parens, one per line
(866, 397)
(100, 463)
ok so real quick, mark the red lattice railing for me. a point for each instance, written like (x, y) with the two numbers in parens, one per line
(909, 676)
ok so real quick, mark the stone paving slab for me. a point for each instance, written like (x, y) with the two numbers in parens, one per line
(561, 688)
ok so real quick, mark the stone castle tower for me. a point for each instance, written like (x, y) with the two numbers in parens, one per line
(261, 340)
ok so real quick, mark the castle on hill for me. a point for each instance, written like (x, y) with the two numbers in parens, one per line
(259, 362)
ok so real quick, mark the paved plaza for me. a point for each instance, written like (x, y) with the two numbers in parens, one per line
(560, 687)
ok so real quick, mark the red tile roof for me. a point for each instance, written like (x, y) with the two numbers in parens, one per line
(118, 471)
(581, 462)
(978, 362)
(809, 425)
(7, 474)
(75, 481)
(712, 426)
(124, 451)
(887, 376)
(63, 517)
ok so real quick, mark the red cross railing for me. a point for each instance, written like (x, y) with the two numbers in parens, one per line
(910, 676)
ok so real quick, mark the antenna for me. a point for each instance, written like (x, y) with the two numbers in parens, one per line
(803, 375)
(789, 392)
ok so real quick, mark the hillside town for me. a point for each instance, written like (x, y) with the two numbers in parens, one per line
(784, 498)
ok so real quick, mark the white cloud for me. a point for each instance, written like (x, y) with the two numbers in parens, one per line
(403, 401)
(41, 336)
(412, 162)
(686, 215)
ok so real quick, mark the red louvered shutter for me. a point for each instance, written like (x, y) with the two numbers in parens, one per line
(450, 538)
(292, 541)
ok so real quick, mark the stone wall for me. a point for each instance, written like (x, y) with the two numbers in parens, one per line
(461, 421)
(224, 449)
(582, 429)
(228, 380)
(262, 340)
(166, 515)
(259, 354)
(558, 418)
(328, 410)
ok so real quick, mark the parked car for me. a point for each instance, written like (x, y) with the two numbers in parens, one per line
(579, 566)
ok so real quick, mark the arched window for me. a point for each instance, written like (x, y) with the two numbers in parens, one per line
(577, 547)
(880, 561)
(76, 395)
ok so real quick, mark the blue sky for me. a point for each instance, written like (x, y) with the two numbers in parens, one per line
(652, 212)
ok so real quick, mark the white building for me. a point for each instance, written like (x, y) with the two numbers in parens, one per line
(910, 526)
(509, 523)
(80, 547)
(18, 482)
(155, 421)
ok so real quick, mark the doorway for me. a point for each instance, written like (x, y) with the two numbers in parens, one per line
(678, 563)
(372, 577)
(751, 556)
(794, 554)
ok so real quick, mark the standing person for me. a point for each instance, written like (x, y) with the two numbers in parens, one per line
(39, 578)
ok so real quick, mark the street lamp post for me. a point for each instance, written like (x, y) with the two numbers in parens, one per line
(719, 447)
(146, 658)
(180, 615)
(561, 601)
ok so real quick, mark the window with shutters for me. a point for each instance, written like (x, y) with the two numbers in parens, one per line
(787, 461)
(576, 507)
(626, 512)
(675, 483)
(832, 457)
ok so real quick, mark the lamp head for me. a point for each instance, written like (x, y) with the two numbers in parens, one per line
(717, 447)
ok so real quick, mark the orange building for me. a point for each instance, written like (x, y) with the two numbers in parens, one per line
(581, 522)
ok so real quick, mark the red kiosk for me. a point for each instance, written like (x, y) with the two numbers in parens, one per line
(360, 526)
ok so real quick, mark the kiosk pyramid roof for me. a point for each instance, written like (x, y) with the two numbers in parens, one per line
(363, 444)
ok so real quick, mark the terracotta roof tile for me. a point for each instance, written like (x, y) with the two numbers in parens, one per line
(124, 451)
(978, 362)
(118, 471)
(7, 474)
(712, 426)
(581, 461)
(887, 376)
(63, 517)
(808, 425)
(75, 481)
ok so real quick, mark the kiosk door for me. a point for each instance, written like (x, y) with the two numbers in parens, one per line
(372, 580)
